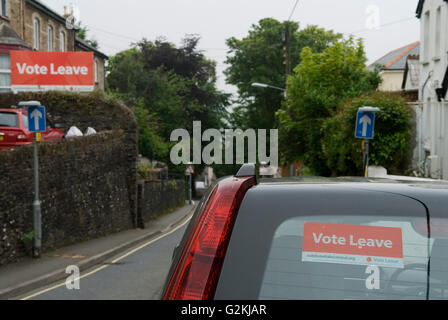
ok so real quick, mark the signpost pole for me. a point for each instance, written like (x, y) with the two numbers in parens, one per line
(36, 124)
(189, 189)
(366, 158)
(37, 218)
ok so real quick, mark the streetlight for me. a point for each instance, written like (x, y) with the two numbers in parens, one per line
(263, 85)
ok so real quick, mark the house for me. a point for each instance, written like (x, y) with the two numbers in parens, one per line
(98, 61)
(392, 66)
(433, 85)
(31, 25)
(411, 77)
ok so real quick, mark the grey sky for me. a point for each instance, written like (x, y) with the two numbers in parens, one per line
(117, 23)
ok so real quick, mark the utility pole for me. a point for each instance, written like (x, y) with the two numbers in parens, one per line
(287, 51)
(287, 47)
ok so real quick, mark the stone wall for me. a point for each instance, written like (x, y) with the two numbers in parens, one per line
(83, 191)
(157, 197)
(89, 110)
(88, 184)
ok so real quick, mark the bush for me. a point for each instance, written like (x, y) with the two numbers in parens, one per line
(391, 146)
(144, 171)
(322, 81)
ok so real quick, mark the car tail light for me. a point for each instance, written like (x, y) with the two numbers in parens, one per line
(197, 272)
(22, 136)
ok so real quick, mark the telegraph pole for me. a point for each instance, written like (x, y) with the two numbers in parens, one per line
(287, 51)
(287, 47)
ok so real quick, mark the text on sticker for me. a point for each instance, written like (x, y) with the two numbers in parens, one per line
(359, 242)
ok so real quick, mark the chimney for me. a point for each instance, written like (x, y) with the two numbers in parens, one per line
(68, 11)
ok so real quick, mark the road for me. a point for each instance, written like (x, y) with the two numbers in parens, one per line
(139, 274)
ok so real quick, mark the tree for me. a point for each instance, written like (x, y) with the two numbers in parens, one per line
(178, 84)
(125, 76)
(320, 83)
(82, 34)
(170, 88)
(259, 57)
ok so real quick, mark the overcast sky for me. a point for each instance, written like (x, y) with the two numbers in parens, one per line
(118, 23)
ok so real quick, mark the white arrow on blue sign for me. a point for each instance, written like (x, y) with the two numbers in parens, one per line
(36, 119)
(365, 124)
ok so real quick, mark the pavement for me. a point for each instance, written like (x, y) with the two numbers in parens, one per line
(31, 274)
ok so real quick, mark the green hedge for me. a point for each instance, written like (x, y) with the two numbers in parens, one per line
(392, 143)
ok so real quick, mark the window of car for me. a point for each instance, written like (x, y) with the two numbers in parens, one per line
(320, 242)
(25, 121)
(8, 119)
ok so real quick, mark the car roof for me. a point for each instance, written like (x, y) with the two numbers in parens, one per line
(12, 110)
(432, 194)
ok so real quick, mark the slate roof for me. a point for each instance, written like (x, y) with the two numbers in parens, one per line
(87, 47)
(396, 59)
(10, 37)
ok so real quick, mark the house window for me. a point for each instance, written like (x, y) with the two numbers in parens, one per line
(438, 32)
(36, 24)
(426, 37)
(96, 71)
(4, 8)
(50, 38)
(62, 41)
(5, 73)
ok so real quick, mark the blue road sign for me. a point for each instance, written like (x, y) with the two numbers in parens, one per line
(365, 124)
(36, 119)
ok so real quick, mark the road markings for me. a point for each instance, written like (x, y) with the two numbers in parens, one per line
(113, 261)
(69, 256)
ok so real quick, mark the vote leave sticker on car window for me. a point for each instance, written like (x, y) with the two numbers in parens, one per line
(352, 244)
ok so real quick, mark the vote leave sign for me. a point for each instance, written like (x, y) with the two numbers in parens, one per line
(352, 244)
(38, 70)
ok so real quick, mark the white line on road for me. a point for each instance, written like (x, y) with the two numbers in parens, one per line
(113, 261)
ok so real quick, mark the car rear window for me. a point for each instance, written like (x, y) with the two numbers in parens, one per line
(8, 119)
(281, 252)
(351, 260)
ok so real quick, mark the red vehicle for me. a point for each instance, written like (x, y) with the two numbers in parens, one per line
(14, 129)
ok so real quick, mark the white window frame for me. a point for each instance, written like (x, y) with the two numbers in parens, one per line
(438, 34)
(36, 33)
(50, 38)
(95, 67)
(6, 71)
(426, 36)
(62, 41)
(4, 4)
